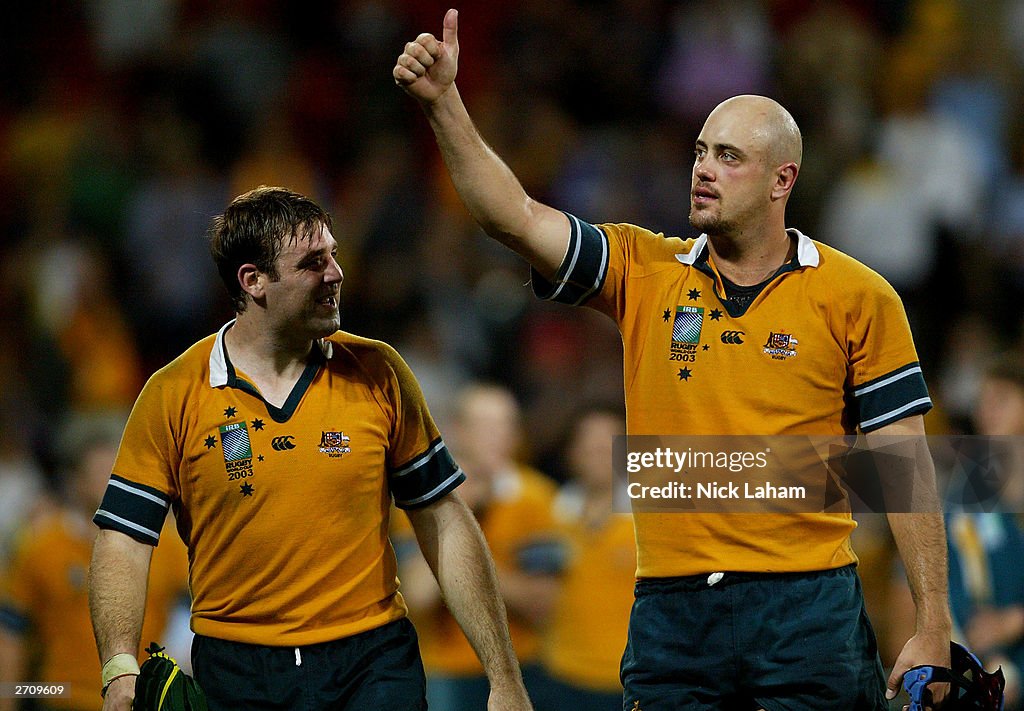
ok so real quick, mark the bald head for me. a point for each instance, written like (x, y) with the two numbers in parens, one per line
(765, 123)
(746, 161)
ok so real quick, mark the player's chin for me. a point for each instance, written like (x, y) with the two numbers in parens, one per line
(703, 219)
(324, 325)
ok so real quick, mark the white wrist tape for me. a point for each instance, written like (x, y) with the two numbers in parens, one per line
(117, 666)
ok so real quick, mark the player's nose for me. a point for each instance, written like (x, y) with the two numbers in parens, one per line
(334, 273)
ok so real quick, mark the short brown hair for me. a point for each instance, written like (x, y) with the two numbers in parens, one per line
(252, 230)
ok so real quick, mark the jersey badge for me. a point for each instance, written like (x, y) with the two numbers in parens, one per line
(334, 444)
(780, 345)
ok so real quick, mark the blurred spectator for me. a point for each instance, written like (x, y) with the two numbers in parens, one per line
(513, 504)
(45, 632)
(967, 351)
(564, 358)
(911, 205)
(986, 580)
(985, 534)
(273, 158)
(80, 332)
(1005, 240)
(126, 32)
(586, 635)
(718, 49)
(173, 282)
(832, 52)
(21, 481)
(21, 476)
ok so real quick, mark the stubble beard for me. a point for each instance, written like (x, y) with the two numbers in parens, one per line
(320, 325)
(710, 224)
(331, 325)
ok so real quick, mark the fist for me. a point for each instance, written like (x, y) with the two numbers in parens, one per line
(427, 68)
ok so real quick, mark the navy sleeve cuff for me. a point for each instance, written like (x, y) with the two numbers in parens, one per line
(426, 478)
(133, 509)
(895, 395)
(583, 270)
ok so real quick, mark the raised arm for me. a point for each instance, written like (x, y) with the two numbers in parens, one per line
(455, 550)
(921, 539)
(491, 192)
(117, 601)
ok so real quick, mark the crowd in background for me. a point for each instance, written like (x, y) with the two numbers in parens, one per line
(125, 126)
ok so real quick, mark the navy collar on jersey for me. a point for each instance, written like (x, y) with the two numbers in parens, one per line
(806, 253)
(221, 371)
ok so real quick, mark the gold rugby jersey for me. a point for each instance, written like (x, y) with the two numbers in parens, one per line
(824, 349)
(44, 600)
(285, 510)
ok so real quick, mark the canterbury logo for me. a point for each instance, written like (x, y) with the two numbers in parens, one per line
(283, 443)
(733, 337)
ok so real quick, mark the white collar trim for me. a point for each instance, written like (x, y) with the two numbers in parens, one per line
(806, 253)
(219, 356)
(698, 246)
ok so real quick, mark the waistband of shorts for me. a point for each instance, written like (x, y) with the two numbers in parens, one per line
(399, 626)
(703, 581)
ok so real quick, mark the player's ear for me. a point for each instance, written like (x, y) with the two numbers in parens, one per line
(252, 280)
(785, 177)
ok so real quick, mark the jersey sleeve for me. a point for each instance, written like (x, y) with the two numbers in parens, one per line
(596, 267)
(583, 270)
(885, 377)
(144, 481)
(420, 468)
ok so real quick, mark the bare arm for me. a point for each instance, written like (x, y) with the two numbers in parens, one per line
(454, 547)
(528, 597)
(491, 192)
(419, 586)
(117, 602)
(921, 539)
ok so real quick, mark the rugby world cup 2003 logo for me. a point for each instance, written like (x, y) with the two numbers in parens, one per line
(237, 449)
(686, 328)
(334, 444)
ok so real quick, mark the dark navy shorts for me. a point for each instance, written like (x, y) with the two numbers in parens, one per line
(782, 642)
(377, 669)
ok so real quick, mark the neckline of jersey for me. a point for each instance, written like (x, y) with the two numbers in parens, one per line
(284, 413)
(736, 310)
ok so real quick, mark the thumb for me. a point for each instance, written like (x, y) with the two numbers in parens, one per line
(451, 28)
(893, 682)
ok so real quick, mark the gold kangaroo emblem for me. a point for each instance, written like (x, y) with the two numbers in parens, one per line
(636, 706)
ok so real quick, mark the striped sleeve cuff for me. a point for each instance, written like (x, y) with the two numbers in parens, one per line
(583, 270)
(892, 397)
(133, 509)
(425, 478)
